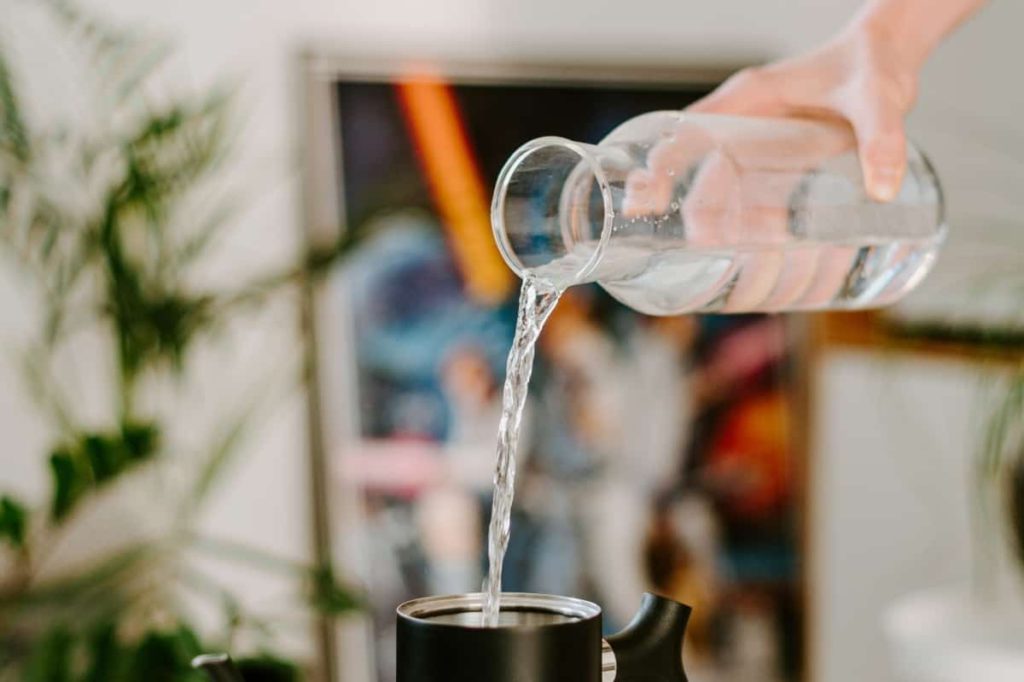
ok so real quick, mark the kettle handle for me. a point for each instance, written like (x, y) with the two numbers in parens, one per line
(218, 667)
(650, 648)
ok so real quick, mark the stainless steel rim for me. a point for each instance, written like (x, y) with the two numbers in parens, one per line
(424, 608)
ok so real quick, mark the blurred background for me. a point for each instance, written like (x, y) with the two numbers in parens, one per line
(254, 327)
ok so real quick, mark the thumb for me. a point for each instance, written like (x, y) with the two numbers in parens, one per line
(882, 148)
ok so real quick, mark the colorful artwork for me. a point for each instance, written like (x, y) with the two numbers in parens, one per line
(657, 452)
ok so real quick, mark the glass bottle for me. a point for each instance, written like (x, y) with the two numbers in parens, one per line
(676, 212)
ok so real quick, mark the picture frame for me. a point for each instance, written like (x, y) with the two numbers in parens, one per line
(332, 346)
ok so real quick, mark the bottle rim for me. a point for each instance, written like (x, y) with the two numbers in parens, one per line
(508, 171)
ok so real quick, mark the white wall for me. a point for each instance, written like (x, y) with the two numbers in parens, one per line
(891, 508)
(971, 89)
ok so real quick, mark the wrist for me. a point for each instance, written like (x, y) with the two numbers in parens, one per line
(890, 28)
(912, 29)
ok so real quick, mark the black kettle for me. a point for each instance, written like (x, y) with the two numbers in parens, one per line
(539, 638)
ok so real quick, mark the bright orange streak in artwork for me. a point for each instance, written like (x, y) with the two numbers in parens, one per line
(439, 135)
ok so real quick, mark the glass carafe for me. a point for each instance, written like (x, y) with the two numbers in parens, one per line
(675, 212)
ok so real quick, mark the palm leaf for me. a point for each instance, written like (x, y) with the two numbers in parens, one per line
(122, 60)
(220, 455)
(97, 582)
(198, 241)
(107, 657)
(1005, 418)
(95, 459)
(166, 657)
(1000, 473)
(51, 659)
(13, 521)
(14, 137)
(329, 596)
(234, 551)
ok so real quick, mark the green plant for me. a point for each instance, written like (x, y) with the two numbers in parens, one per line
(110, 222)
(1000, 467)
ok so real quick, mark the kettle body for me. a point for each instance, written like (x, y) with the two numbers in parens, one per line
(539, 638)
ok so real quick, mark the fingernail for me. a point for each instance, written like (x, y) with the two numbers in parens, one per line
(885, 184)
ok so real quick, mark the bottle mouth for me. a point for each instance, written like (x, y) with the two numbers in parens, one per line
(518, 610)
(552, 210)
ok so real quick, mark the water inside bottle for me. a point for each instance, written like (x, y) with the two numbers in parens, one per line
(795, 276)
(659, 277)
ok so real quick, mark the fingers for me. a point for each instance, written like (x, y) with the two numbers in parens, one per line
(647, 193)
(881, 145)
(711, 210)
(650, 190)
(758, 274)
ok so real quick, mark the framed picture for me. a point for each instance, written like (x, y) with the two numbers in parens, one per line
(657, 453)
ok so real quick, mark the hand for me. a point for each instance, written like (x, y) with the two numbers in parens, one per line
(739, 182)
(863, 81)
(861, 76)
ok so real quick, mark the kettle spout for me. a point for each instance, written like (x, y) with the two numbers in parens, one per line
(650, 648)
(218, 667)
